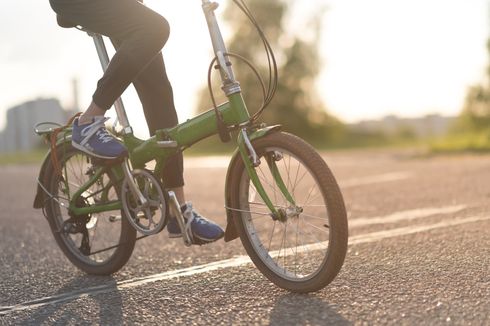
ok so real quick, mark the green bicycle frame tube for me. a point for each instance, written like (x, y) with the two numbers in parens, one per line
(187, 133)
(111, 206)
(234, 113)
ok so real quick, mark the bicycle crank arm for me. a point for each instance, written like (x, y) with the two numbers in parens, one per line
(133, 187)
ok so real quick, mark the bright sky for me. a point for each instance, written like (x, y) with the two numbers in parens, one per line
(381, 57)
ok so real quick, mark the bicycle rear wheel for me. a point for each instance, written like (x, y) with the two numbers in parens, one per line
(305, 250)
(97, 243)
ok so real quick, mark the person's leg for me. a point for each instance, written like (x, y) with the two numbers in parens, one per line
(138, 32)
(155, 92)
(156, 95)
(141, 32)
(92, 111)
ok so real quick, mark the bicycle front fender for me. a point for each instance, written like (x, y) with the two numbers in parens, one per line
(231, 232)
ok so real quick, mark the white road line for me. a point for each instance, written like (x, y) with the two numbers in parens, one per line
(405, 215)
(380, 178)
(375, 236)
(228, 263)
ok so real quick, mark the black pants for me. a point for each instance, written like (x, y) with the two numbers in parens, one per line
(138, 34)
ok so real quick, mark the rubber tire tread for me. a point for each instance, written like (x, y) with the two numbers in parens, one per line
(128, 233)
(335, 207)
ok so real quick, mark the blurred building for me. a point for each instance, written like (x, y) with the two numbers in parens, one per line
(427, 126)
(19, 131)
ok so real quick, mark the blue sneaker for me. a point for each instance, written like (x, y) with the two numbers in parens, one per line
(94, 139)
(203, 230)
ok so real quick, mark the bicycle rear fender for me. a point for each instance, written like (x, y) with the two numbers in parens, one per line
(40, 199)
(231, 232)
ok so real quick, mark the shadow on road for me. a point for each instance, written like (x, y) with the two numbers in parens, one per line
(304, 309)
(110, 304)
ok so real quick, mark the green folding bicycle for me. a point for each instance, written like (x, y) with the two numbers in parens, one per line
(281, 199)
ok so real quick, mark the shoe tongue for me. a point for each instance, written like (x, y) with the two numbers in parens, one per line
(185, 207)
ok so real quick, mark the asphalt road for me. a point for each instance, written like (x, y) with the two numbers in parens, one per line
(419, 253)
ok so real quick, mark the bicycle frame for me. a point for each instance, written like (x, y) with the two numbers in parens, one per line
(167, 142)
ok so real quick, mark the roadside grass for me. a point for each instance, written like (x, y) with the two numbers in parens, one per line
(214, 146)
(468, 142)
(30, 157)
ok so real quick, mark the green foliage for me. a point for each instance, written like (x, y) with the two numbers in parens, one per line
(471, 132)
(297, 105)
(475, 116)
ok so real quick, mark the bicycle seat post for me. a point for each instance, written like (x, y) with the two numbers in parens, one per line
(104, 61)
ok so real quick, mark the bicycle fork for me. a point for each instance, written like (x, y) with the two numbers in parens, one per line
(252, 161)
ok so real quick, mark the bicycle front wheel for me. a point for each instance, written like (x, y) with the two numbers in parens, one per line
(304, 250)
(97, 243)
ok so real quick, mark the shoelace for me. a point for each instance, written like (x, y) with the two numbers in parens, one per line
(104, 135)
(97, 128)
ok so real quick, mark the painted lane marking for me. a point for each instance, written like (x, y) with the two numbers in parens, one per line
(228, 263)
(375, 236)
(408, 215)
(380, 178)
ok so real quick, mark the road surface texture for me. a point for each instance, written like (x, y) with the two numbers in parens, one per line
(419, 253)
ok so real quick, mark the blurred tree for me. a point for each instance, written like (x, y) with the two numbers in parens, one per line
(475, 116)
(297, 104)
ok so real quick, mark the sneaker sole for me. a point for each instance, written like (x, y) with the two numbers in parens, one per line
(175, 235)
(83, 149)
(208, 240)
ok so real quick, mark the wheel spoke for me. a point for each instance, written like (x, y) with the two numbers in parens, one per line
(315, 217)
(295, 184)
(309, 194)
(325, 206)
(104, 236)
(295, 251)
(267, 182)
(308, 247)
(316, 227)
(272, 235)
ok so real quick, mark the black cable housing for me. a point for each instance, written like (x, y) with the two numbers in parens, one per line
(272, 80)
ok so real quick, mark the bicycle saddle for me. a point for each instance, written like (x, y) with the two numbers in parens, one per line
(65, 23)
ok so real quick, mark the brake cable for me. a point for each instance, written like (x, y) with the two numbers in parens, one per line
(267, 92)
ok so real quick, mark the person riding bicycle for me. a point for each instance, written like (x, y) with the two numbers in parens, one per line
(138, 34)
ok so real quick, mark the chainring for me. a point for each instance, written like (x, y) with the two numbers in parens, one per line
(152, 217)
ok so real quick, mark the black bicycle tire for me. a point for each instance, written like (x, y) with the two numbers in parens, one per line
(127, 237)
(335, 205)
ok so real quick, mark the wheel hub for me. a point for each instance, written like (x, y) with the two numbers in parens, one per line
(283, 215)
